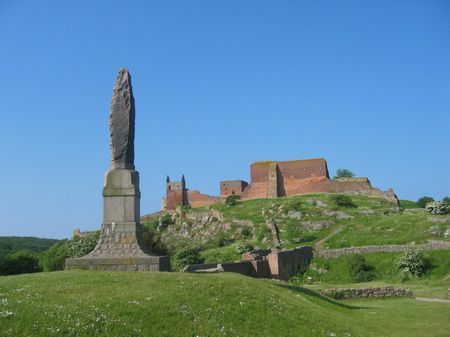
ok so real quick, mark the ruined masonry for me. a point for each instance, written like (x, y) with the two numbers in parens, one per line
(273, 179)
(120, 246)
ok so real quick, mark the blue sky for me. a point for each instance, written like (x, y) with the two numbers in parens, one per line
(218, 85)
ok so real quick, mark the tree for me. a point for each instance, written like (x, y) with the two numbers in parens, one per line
(18, 263)
(422, 202)
(344, 173)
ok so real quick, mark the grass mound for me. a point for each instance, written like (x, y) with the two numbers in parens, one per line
(85, 303)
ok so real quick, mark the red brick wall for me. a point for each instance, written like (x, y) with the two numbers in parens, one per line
(309, 185)
(255, 190)
(197, 199)
(230, 187)
(301, 169)
(173, 198)
(297, 176)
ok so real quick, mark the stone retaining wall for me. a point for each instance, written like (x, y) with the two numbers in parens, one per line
(432, 245)
(351, 293)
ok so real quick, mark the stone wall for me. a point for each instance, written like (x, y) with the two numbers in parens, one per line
(265, 263)
(230, 187)
(432, 245)
(351, 293)
(197, 199)
(361, 186)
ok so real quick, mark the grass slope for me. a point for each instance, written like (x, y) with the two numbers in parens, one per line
(86, 303)
(301, 220)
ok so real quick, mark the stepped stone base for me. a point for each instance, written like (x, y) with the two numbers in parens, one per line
(149, 263)
(120, 246)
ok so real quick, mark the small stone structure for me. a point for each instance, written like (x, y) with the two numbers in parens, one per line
(120, 246)
(272, 179)
(353, 293)
(263, 263)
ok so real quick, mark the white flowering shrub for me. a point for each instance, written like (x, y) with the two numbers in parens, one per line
(412, 263)
(437, 207)
(82, 245)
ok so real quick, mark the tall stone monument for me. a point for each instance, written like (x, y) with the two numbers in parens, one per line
(120, 246)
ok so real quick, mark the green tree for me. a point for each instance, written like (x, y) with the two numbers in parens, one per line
(344, 173)
(232, 200)
(422, 202)
(359, 269)
(19, 263)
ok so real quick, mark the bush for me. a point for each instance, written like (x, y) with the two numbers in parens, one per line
(344, 173)
(343, 200)
(232, 200)
(54, 258)
(82, 245)
(437, 207)
(243, 247)
(412, 263)
(359, 269)
(422, 202)
(187, 256)
(19, 263)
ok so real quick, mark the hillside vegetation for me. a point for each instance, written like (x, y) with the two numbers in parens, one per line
(222, 232)
(88, 303)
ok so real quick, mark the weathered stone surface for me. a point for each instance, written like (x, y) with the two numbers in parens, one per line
(120, 246)
(350, 293)
(121, 122)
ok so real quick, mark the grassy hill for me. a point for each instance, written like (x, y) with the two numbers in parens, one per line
(320, 220)
(83, 303)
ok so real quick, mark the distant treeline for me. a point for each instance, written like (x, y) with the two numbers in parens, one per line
(13, 244)
(22, 254)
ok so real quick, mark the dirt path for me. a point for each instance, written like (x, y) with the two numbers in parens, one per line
(319, 244)
(432, 299)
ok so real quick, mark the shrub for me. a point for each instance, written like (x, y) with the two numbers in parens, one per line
(359, 269)
(344, 173)
(412, 263)
(437, 207)
(53, 259)
(422, 202)
(81, 245)
(343, 200)
(232, 200)
(187, 256)
(19, 263)
(243, 247)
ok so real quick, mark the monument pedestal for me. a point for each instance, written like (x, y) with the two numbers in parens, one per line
(120, 246)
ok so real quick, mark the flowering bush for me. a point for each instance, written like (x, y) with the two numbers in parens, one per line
(412, 263)
(437, 207)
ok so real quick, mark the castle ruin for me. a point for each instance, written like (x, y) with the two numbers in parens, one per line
(273, 179)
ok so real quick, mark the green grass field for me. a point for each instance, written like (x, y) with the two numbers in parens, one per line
(87, 303)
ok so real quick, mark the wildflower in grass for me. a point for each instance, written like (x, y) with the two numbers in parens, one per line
(6, 313)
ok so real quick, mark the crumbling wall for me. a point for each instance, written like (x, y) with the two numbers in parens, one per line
(361, 186)
(197, 199)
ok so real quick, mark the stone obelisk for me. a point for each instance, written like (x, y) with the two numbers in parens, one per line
(120, 246)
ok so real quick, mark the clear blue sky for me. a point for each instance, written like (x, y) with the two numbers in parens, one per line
(218, 85)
